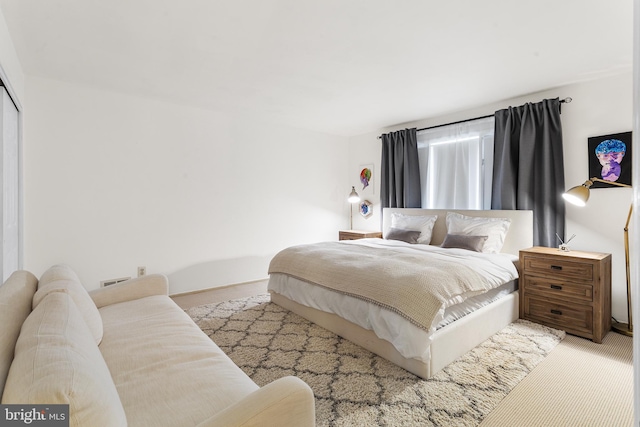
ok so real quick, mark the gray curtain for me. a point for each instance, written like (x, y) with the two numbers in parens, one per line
(400, 171)
(528, 169)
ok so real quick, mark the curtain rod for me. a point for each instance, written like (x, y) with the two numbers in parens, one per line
(567, 100)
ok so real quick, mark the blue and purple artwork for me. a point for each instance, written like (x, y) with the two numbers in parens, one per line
(610, 158)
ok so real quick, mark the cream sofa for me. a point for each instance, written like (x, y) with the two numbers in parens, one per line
(128, 355)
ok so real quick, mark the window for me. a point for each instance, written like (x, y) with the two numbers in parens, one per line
(456, 165)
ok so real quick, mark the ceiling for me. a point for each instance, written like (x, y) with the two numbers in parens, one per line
(343, 67)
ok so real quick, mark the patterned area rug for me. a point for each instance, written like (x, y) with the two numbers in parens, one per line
(354, 387)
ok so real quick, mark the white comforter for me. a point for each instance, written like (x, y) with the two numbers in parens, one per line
(410, 341)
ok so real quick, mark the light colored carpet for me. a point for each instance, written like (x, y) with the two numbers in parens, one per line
(357, 388)
(580, 383)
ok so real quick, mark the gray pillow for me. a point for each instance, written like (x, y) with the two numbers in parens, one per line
(409, 236)
(461, 241)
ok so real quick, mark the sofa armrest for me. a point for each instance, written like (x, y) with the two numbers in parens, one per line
(285, 402)
(140, 287)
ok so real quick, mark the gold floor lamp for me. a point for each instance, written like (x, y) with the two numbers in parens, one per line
(578, 196)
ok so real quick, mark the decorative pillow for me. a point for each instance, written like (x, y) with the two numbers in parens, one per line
(409, 236)
(460, 241)
(58, 362)
(61, 278)
(494, 228)
(423, 224)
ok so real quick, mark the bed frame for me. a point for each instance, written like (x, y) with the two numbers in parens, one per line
(453, 340)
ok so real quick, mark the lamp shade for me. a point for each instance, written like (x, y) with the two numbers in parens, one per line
(353, 196)
(578, 195)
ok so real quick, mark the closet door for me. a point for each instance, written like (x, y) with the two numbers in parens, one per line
(10, 185)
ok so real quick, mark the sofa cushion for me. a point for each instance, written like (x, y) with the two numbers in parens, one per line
(166, 370)
(58, 362)
(63, 278)
(15, 305)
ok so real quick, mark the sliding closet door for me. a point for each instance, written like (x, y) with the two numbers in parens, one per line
(10, 185)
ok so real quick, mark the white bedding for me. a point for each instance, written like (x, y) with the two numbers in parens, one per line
(410, 341)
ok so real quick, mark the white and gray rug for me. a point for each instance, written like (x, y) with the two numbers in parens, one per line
(354, 387)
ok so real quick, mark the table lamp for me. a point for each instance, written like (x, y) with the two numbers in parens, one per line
(353, 198)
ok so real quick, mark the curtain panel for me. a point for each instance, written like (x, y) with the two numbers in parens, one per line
(528, 171)
(400, 171)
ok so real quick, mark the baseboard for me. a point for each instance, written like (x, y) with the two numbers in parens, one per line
(181, 294)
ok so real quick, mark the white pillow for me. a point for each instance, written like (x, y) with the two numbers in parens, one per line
(495, 228)
(421, 223)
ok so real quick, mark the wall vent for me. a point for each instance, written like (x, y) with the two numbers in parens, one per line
(110, 282)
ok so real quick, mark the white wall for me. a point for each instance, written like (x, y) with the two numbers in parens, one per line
(599, 107)
(115, 181)
(10, 67)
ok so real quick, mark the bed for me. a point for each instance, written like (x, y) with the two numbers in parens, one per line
(331, 291)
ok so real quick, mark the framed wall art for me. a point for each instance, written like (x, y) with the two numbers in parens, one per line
(366, 180)
(610, 159)
(366, 208)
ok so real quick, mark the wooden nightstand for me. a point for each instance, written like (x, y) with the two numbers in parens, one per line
(356, 234)
(567, 290)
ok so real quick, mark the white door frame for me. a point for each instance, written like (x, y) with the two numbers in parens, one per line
(16, 101)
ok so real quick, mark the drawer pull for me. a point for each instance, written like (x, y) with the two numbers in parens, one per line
(556, 267)
(558, 312)
(557, 287)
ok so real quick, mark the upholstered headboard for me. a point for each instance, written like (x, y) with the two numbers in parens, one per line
(520, 235)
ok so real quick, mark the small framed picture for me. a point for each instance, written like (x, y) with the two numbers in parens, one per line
(610, 159)
(366, 208)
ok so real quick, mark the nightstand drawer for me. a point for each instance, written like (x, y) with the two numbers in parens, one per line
(572, 318)
(568, 269)
(559, 289)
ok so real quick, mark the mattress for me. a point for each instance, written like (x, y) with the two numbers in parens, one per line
(410, 341)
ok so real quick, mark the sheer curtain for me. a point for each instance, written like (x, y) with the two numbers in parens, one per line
(456, 163)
